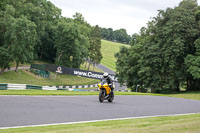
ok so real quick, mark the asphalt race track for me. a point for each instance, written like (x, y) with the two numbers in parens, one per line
(35, 110)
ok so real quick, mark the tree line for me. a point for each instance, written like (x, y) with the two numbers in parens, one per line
(35, 30)
(165, 56)
(120, 35)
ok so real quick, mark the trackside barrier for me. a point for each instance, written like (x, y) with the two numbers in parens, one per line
(16, 87)
(34, 87)
(3, 86)
(65, 70)
(41, 73)
(49, 88)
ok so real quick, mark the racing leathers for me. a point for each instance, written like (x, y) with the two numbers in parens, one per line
(110, 82)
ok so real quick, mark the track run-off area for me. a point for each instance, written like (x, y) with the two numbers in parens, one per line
(23, 111)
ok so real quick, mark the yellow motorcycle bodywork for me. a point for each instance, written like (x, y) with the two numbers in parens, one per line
(106, 87)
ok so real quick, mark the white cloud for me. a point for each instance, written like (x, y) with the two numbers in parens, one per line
(116, 14)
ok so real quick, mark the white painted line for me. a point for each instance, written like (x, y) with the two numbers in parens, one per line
(81, 122)
(49, 96)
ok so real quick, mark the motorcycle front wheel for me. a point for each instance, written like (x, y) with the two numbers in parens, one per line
(101, 96)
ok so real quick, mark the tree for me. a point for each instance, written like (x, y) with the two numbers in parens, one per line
(120, 35)
(94, 37)
(163, 49)
(45, 15)
(5, 59)
(20, 40)
(95, 55)
(71, 46)
(192, 63)
(78, 18)
(129, 63)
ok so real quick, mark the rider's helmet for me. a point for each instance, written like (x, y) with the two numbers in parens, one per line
(105, 75)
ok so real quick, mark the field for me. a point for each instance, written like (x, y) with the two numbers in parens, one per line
(109, 49)
(170, 124)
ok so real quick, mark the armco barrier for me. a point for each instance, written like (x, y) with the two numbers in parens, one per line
(4, 86)
(34, 87)
(16, 87)
(49, 88)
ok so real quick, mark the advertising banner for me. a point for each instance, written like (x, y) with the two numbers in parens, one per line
(71, 71)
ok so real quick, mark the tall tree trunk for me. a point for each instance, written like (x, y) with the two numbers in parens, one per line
(177, 87)
(3, 70)
(89, 66)
(86, 64)
(58, 61)
(17, 65)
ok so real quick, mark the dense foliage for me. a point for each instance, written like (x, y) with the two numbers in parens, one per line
(34, 29)
(165, 56)
(120, 35)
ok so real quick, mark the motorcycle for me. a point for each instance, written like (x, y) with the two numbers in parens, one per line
(105, 92)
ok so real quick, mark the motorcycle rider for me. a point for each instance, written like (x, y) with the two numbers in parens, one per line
(107, 77)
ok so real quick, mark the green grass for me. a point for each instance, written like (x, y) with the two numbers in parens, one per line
(109, 49)
(170, 124)
(62, 92)
(25, 77)
(13, 64)
(84, 66)
(46, 92)
(187, 95)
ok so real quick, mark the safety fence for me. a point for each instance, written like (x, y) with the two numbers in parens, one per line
(4, 86)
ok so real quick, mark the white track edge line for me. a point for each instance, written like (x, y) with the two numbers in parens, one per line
(81, 122)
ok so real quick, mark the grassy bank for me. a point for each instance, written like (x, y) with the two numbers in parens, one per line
(25, 77)
(109, 49)
(171, 124)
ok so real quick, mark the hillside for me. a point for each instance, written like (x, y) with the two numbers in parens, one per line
(25, 77)
(109, 49)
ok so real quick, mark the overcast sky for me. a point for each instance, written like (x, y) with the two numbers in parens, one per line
(128, 14)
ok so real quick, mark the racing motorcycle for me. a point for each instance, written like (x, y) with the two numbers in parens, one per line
(105, 92)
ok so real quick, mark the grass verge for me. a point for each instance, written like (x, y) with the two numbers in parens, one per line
(109, 49)
(46, 92)
(186, 95)
(170, 124)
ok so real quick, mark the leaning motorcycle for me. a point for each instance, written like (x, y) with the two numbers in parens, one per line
(105, 92)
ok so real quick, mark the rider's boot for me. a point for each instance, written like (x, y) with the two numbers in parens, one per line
(112, 89)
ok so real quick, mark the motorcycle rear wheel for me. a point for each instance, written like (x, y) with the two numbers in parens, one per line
(111, 98)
